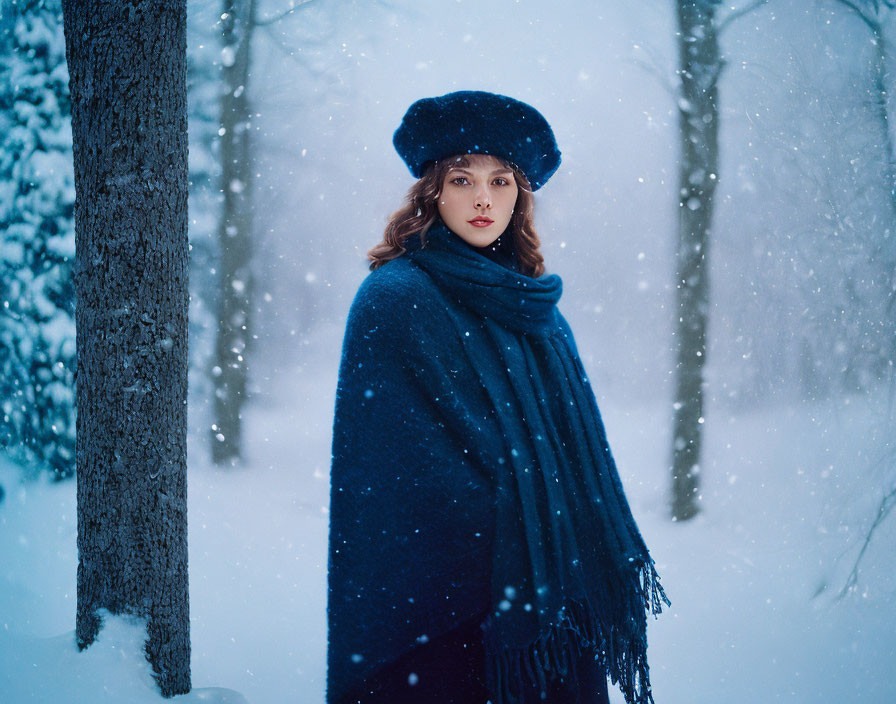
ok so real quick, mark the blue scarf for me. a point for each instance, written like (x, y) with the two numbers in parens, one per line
(568, 571)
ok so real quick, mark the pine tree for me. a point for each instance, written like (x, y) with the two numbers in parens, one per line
(37, 240)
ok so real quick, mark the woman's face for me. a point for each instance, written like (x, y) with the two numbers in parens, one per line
(476, 201)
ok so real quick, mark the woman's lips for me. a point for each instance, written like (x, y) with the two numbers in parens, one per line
(480, 222)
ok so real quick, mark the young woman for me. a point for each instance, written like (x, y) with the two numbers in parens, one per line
(481, 545)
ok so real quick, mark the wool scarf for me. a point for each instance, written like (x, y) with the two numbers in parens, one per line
(570, 572)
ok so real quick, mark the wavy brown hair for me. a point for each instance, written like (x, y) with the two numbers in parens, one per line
(420, 211)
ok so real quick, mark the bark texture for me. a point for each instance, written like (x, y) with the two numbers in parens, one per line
(127, 63)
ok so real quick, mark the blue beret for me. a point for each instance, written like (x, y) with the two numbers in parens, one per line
(478, 122)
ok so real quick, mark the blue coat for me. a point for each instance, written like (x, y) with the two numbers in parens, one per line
(471, 475)
(411, 506)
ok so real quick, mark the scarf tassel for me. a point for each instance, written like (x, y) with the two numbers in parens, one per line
(652, 590)
(622, 655)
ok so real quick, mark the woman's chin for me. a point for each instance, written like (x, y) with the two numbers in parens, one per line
(477, 236)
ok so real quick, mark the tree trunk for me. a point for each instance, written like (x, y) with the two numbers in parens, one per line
(700, 66)
(127, 63)
(229, 371)
(882, 100)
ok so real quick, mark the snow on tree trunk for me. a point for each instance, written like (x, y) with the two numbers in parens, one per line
(700, 66)
(229, 373)
(127, 62)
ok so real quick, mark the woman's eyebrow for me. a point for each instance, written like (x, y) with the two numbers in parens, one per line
(496, 171)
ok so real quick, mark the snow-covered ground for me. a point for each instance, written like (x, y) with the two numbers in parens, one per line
(788, 494)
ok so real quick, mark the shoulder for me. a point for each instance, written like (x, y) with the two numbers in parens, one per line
(394, 288)
(396, 299)
(397, 292)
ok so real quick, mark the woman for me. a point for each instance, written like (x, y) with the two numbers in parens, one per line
(481, 546)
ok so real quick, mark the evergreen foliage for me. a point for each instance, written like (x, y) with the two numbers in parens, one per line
(37, 241)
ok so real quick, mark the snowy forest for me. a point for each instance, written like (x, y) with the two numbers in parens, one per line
(724, 222)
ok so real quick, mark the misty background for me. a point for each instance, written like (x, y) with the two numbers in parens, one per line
(795, 287)
(798, 464)
(797, 131)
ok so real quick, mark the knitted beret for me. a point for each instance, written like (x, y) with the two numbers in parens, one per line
(478, 122)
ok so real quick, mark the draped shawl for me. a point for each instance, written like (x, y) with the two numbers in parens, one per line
(471, 474)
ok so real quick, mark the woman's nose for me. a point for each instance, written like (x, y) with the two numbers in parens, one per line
(483, 199)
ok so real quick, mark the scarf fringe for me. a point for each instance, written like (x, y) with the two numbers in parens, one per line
(622, 655)
(573, 506)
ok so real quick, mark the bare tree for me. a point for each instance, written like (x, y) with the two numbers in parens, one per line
(700, 66)
(883, 510)
(236, 231)
(128, 65)
(876, 14)
(230, 370)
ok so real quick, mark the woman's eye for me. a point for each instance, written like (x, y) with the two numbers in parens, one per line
(501, 181)
(458, 179)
